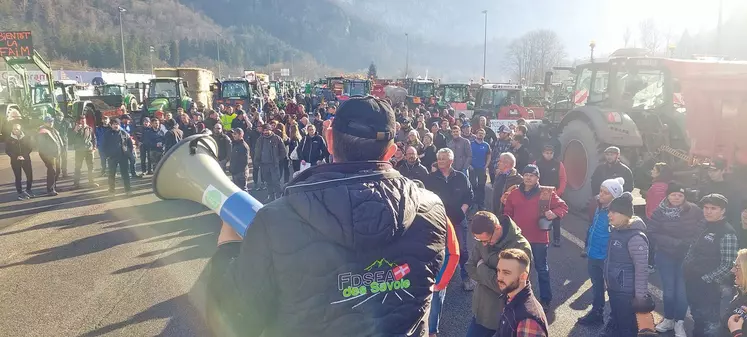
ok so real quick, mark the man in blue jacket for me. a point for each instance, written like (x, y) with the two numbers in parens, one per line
(596, 248)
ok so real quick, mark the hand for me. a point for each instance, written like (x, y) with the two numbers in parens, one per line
(303, 162)
(21, 158)
(550, 215)
(228, 234)
(735, 322)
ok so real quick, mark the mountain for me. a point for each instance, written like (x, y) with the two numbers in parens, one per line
(380, 263)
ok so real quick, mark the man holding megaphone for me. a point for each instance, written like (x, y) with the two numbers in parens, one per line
(352, 248)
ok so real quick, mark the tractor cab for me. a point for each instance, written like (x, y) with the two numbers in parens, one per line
(421, 92)
(231, 92)
(167, 94)
(455, 96)
(335, 85)
(355, 87)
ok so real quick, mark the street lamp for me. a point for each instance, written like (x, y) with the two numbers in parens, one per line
(218, 43)
(485, 46)
(121, 32)
(152, 50)
(592, 45)
(407, 54)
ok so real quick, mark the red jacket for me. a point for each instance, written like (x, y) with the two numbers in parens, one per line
(524, 208)
(655, 194)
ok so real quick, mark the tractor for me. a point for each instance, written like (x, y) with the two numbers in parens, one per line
(232, 92)
(128, 99)
(166, 94)
(686, 113)
(421, 92)
(354, 87)
(503, 104)
(455, 96)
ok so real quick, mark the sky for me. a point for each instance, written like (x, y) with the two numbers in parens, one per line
(677, 15)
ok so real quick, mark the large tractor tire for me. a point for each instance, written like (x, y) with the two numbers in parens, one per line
(581, 154)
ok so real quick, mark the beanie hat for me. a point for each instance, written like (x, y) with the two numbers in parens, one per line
(623, 204)
(675, 187)
(531, 168)
(614, 186)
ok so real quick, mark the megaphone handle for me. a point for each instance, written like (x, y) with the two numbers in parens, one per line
(239, 211)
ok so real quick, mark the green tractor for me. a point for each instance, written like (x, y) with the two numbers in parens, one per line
(167, 94)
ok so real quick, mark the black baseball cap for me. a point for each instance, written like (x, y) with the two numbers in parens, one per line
(365, 117)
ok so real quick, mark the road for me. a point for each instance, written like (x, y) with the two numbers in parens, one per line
(85, 264)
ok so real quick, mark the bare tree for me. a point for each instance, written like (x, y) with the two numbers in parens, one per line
(534, 53)
(649, 35)
(626, 36)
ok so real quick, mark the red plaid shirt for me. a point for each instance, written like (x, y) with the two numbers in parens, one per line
(529, 328)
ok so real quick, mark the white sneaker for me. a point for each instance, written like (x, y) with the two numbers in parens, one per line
(679, 329)
(666, 325)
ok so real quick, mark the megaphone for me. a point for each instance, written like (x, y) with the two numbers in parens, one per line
(190, 170)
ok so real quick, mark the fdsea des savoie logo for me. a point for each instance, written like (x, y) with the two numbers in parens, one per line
(381, 277)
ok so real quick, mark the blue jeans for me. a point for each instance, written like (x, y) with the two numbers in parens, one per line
(596, 274)
(477, 330)
(461, 233)
(673, 286)
(437, 302)
(539, 257)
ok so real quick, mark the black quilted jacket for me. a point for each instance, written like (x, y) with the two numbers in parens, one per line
(349, 250)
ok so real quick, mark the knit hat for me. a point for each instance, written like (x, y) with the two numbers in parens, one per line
(612, 149)
(614, 186)
(675, 187)
(623, 205)
(531, 168)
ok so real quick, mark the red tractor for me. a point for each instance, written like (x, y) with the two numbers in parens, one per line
(682, 112)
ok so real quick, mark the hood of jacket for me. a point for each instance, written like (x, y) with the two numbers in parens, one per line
(635, 223)
(13, 135)
(360, 205)
(511, 233)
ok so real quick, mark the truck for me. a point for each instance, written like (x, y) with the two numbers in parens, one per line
(171, 89)
(686, 113)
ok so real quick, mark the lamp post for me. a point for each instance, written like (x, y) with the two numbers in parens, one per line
(121, 33)
(407, 54)
(592, 45)
(485, 46)
(218, 43)
(152, 50)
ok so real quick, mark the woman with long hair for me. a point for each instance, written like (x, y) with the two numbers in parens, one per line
(294, 138)
(671, 228)
(413, 139)
(420, 128)
(284, 163)
(662, 175)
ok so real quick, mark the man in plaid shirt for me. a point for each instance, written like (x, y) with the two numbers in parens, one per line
(707, 265)
(523, 315)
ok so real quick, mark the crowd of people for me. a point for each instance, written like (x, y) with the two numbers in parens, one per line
(502, 188)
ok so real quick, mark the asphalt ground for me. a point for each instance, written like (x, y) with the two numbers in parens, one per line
(87, 264)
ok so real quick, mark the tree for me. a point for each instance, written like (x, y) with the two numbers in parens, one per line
(626, 36)
(174, 53)
(534, 53)
(372, 70)
(649, 35)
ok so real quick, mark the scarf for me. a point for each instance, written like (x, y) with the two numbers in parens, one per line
(670, 212)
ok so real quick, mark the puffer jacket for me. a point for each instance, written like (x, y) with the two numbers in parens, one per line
(351, 249)
(487, 300)
(673, 236)
(18, 146)
(598, 234)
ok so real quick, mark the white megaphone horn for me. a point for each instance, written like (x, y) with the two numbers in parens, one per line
(190, 171)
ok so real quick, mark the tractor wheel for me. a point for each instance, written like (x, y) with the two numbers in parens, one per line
(581, 152)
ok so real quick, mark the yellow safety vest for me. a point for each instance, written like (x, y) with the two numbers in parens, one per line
(226, 121)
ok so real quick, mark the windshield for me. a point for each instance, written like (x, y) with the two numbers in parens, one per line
(41, 94)
(423, 90)
(642, 89)
(455, 94)
(357, 88)
(234, 89)
(111, 90)
(499, 97)
(162, 89)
